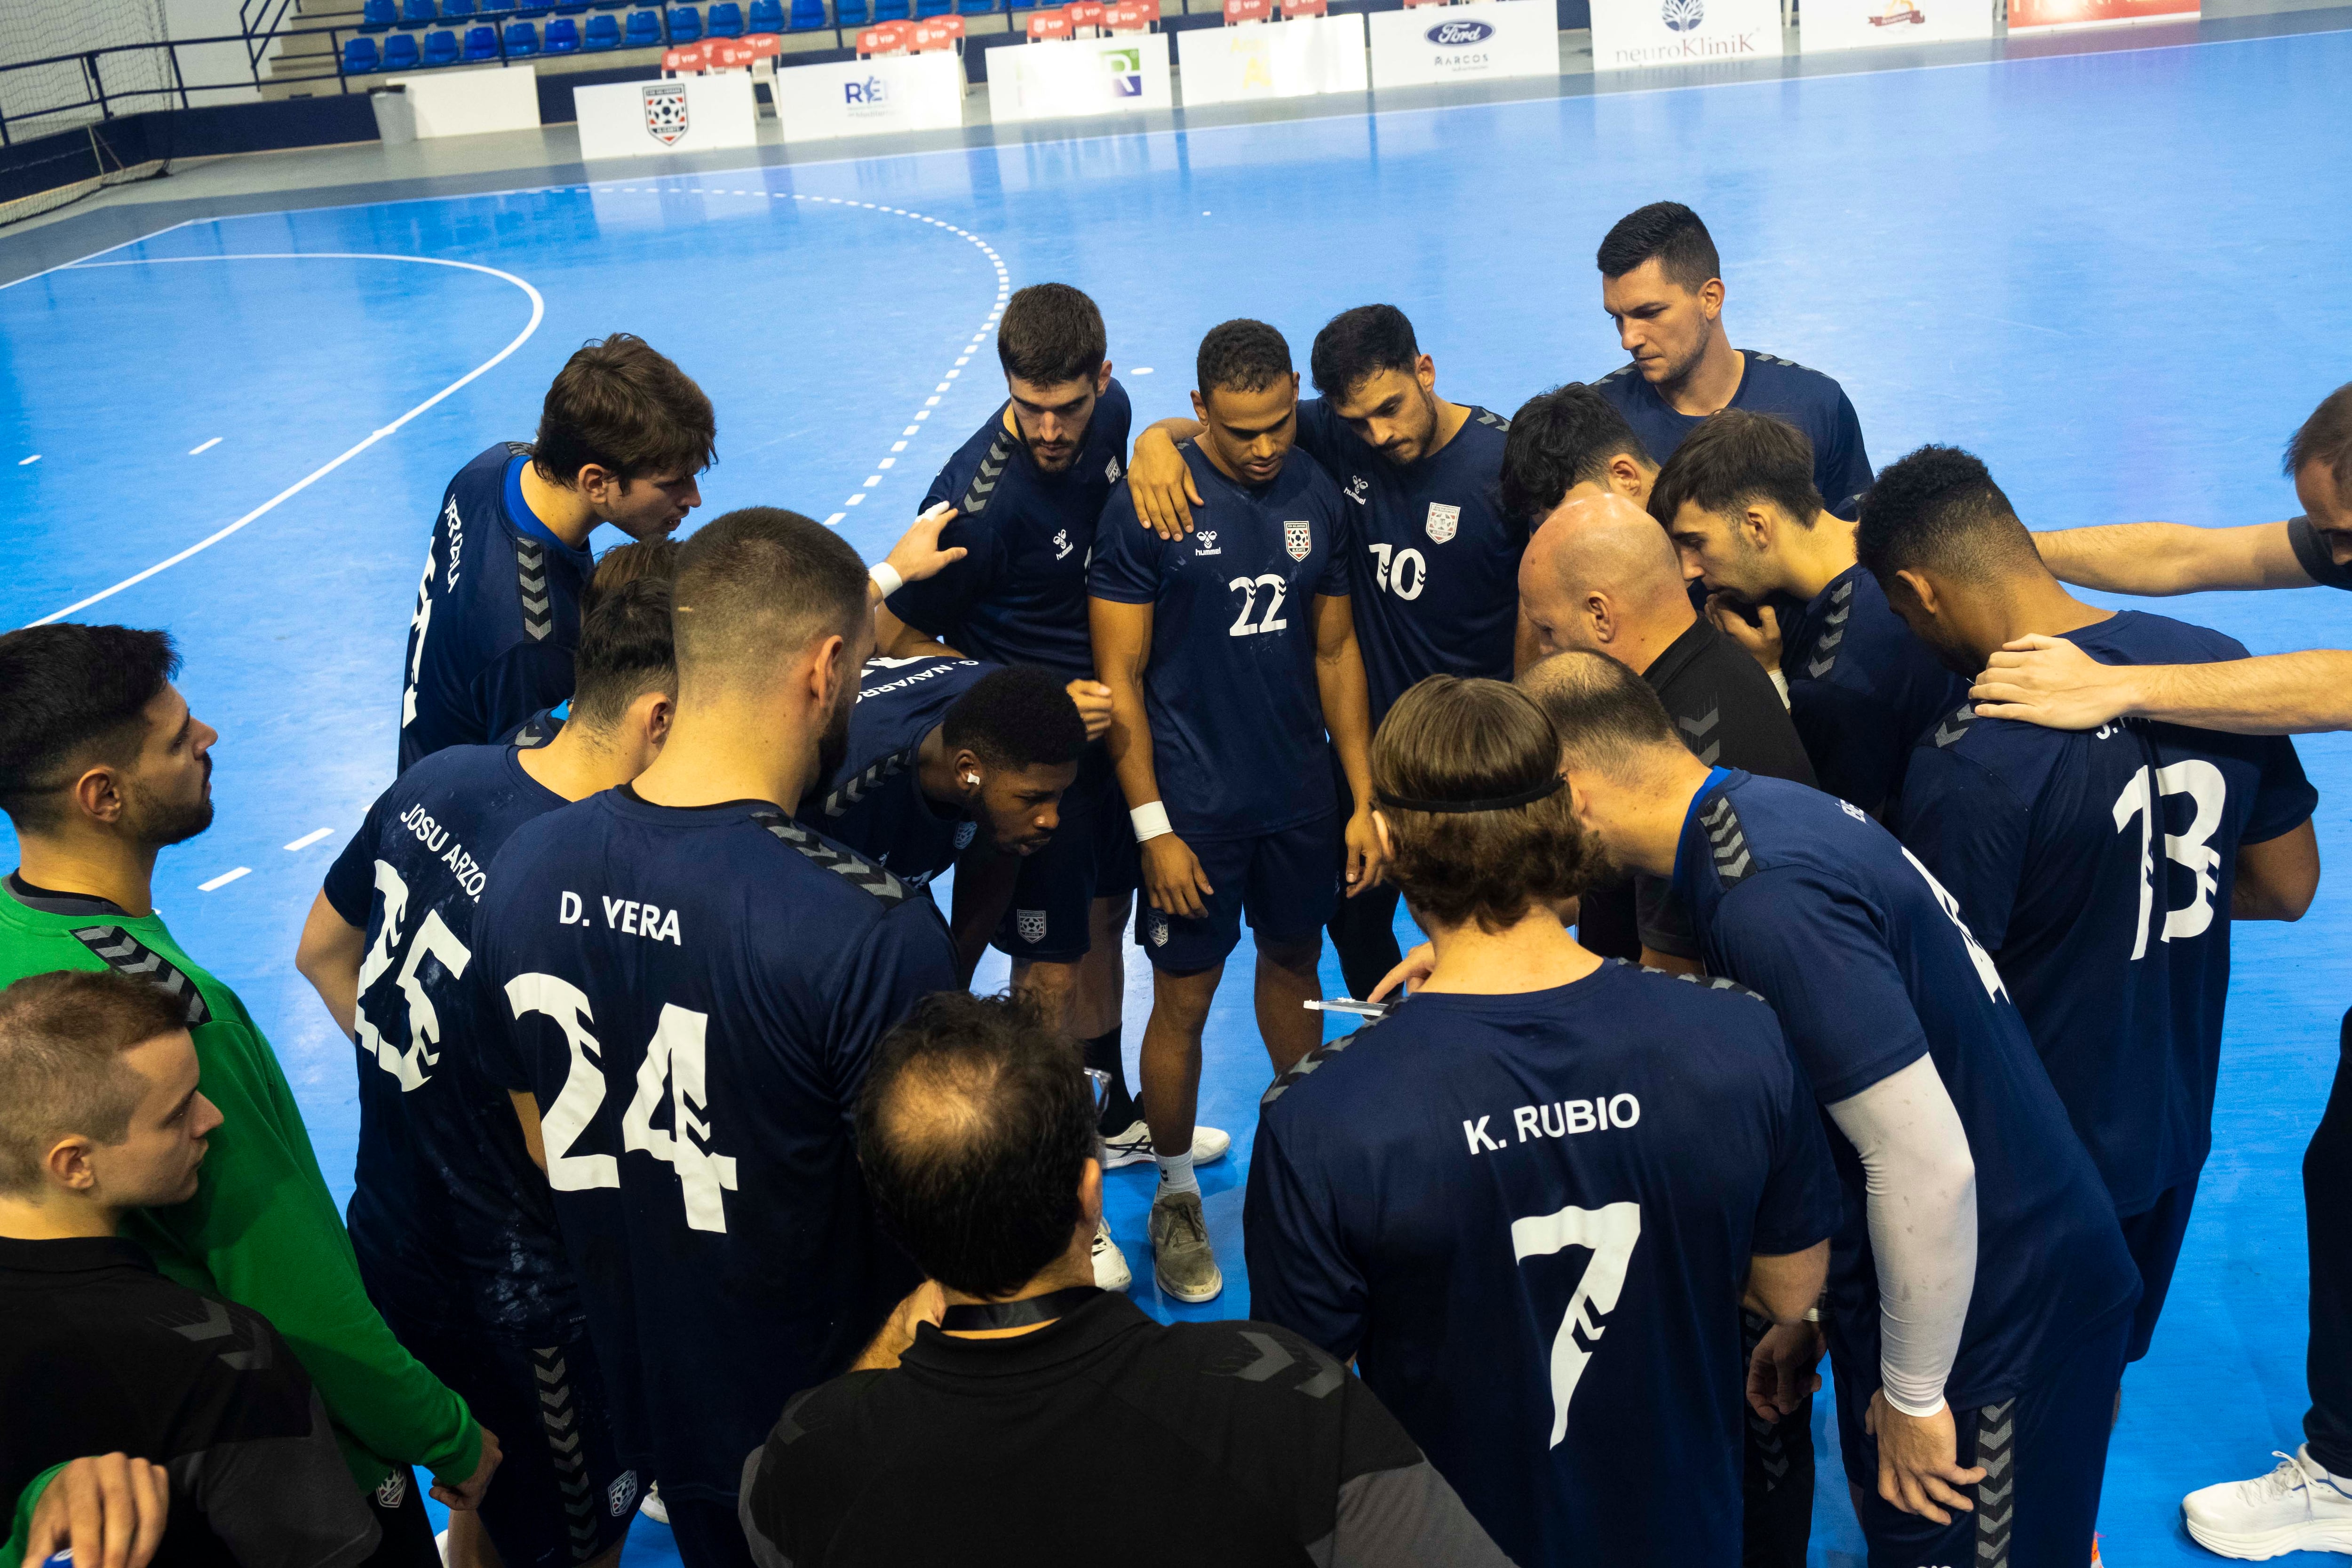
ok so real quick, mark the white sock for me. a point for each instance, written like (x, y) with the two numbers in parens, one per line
(1176, 1173)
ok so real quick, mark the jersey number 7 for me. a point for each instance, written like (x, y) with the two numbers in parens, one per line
(1609, 1232)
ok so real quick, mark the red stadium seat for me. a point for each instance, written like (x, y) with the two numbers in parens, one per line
(764, 46)
(1086, 16)
(936, 33)
(1293, 8)
(1241, 11)
(890, 39)
(1046, 25)
(728, 54)
(685, 61)
(1131, 15)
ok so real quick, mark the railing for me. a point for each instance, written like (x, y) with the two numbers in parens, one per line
(111, 101)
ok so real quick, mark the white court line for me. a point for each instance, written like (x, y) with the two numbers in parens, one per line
(33, 458)
(310, 838)
(224, 879)
(538, 313)
(110, 250)
(198, 451)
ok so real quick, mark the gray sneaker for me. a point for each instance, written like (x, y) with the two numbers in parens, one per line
(1180, 1256)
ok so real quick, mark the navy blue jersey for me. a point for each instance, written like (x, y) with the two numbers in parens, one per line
(1530, 1217)
(541, 727)
(2096, 867)
(1019, 595)
(692, 995)
(450, 1218)
(1862, 688)
(1865, 958)
(1806, 398)
(1237, 735)
(1435, 567)
(874, 803)
(497, 614)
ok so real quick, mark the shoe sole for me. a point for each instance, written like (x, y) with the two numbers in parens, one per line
(2273, 1542)
(1118, 1157)
(1211, 1294)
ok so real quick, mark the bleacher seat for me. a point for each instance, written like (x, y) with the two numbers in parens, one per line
(685, 25)
(417, 13)
(644, 31)
(481, 44)
(564, 37)
(457, 10)
(533, 8)
(724, 20)
(360, 57)
(522, 40)
(493, 8)
(890, 10)
(400, 53)
(977, 8)
(808, 15)
(441, 47)
(766, 16)
(570, 7)
(379, 15)
(603, 31)
(849, 14)
(1019, 5)
(927, 8)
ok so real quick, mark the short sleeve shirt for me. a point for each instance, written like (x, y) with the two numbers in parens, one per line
(1806, 398)
(1862, 688)
(875, 803)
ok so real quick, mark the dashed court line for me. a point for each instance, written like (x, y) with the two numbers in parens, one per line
(198, 451)
(310, 838)
(224, 879)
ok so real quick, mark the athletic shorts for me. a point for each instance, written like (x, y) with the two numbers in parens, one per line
(2154, 1236)
(1091, 856)
(1283, 881)
(559, 1497)
(2044, 1452)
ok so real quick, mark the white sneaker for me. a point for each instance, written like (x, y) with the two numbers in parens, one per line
(653, 1508)
(1133, 1147)
(1111, 1272)
(2299, 1507)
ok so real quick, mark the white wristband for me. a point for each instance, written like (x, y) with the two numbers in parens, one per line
(1915, 1414)
(1780, 685)
(886, 577)
(1150, 821)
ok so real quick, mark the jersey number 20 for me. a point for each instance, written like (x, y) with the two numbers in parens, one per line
(1609, 1232)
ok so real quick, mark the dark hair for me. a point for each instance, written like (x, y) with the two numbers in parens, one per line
(71, 696)
(1734, 459)
(2326, 439)
(1938, 509)
(1558, 440)
(1450, 738)
(639, 559)
(1240, 355)
(625, 650)
(1606, 716)
(62, 1036)
(974, 1128)
(1357, 344)
(1669, 231)
(762, 582)
(1019, 717)
(1051, 333)
(619, 404)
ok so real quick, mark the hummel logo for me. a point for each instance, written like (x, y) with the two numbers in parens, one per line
(1359, 490)
(1205, 542)
(1062, 545)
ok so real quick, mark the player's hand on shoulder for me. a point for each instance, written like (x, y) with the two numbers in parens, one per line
(1161, 483)
(1367, 860)
(1415, 968)
(2049, 681)
(1918, 1460)
(1093, 699)
(110, 1510)
(918, 554)
(468, 1493)
(1172, 877)
(925, 1303)
(1781, 1371)
(1760, 638)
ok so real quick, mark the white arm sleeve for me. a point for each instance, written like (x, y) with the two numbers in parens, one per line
(1922, 1208)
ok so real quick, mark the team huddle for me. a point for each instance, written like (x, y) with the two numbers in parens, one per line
(1774, 1004)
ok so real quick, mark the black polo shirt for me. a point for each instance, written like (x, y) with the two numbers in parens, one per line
(100, 1354)
(1237, 1443)
(1730, 715)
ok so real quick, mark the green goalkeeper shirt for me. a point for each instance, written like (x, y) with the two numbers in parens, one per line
(262, 1230)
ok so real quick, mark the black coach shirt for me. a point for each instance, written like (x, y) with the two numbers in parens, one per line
(1239, 1444)
(1727, 711)
(100, 1354)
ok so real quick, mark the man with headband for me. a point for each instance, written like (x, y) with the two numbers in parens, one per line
(1530, 1227)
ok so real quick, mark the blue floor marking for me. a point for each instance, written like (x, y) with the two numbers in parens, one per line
(2109, 274)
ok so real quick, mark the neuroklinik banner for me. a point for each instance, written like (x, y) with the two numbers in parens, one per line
(1628, 35)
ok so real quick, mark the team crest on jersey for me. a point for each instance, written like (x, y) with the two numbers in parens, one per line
(1031, 924)
(1442, 522)
(1155, 925)
(622, 1493)
(963, 834)
(1298, 539)
(394, 1491)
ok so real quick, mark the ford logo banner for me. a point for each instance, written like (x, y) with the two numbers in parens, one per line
(1454, 34)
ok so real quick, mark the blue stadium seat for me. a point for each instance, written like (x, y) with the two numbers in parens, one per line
(977, 8)
(481, 44)
(644, 31)
(379, 15)
(685, 25)
(522, 40)
(570, 7)
(603, 31)
(494, 7)
(417, 13)
(767, 15)
(926, 8)
(360, 57)
(849, 13)
(457, 10)
(564, 37)
(400, 52)
(441, 47)
(533, 8)
(808, 15)
(889, 10)
(1019, 5)
(725, 20)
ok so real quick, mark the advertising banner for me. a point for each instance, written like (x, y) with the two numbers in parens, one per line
(1875, 23)
(459, 103)
(1628, 35)
(682, 114)
(1123, 74)
(1464, 43)
(861, 98)
(2027, 13)
(1272, 59)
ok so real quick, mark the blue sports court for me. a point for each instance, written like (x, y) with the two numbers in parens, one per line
(2117, 276)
